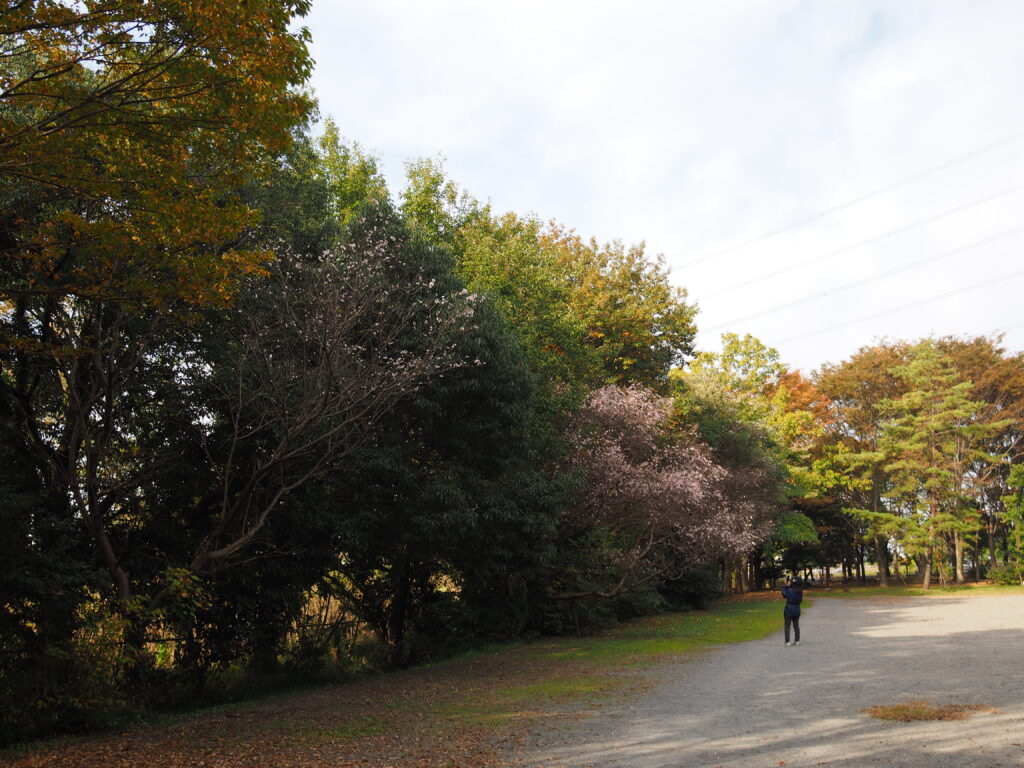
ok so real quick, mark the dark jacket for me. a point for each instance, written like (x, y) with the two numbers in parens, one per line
(793, 597)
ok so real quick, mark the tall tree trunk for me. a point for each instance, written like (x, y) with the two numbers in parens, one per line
(958, 554)
(882, 558)
(881, 545)
(926, 579)
(990, 531)
(400, 577)
(759, 569)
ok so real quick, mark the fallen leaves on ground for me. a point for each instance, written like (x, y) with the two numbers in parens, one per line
(909, 711)
(467, 713)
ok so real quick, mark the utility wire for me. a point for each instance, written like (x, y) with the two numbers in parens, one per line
(1004, 328)
(871, 278)
(870, 241)
(928, 300)
(857, 200)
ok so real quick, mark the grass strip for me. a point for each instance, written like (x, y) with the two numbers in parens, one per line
(567, 674)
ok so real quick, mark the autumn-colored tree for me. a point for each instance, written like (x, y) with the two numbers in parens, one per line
(857, 389)
(638, 323)
(589, 314)
(128, 131)
(125, 126)
(998, 383)
(508, 259)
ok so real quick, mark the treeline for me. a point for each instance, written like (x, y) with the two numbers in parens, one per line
(263, 421)
(928, 438)
(260, 419)
(906, 458)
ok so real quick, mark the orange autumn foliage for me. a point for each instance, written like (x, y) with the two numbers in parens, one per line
(125, 128)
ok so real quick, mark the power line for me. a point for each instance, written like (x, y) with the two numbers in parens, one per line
(870, 241)
(1004, 328)
(928, 300)
(872, 278)
(860, 199)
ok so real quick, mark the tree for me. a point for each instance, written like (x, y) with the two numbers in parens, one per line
(639, 324)
(652, 505)
(745, 364)
(857, 389)
(588, 314)
(124, 128)
(429, 514)
(998, 383)
(929, 442)
(509, 259)
(1014, 501)
(733, 400)
(351, 177)
(127, 133)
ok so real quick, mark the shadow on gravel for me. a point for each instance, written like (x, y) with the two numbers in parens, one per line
(763, 705)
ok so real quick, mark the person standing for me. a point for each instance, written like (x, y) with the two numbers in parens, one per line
(794, 594)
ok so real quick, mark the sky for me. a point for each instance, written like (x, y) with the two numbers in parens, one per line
(820, 174)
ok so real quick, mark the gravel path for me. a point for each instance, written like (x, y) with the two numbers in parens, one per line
(761, 704)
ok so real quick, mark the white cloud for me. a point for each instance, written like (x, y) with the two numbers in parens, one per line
(694, 126)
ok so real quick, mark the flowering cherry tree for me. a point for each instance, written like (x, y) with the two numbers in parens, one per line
(658, 497)
(316, 365)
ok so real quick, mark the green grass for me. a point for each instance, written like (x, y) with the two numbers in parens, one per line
(652, 639)
(563, 689)
(569, 672)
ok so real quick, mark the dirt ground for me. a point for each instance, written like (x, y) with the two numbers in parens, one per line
(762, 704)
(746, 705)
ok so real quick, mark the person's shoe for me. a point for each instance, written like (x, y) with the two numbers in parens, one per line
(797, 643)
(788, 644)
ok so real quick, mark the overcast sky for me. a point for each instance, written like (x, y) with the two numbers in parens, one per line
(870, 153)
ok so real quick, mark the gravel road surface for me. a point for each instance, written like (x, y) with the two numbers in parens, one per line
(761, 704)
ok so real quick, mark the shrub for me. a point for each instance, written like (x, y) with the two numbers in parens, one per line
(1006, 573)
(694, 590)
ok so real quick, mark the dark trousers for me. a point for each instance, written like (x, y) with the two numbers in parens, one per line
(795, 621)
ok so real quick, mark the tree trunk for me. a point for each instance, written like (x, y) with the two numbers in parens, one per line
(882, 558)
(881, 545)
(990, 531)
(958, 555)
(926, 578)
(399, 607)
